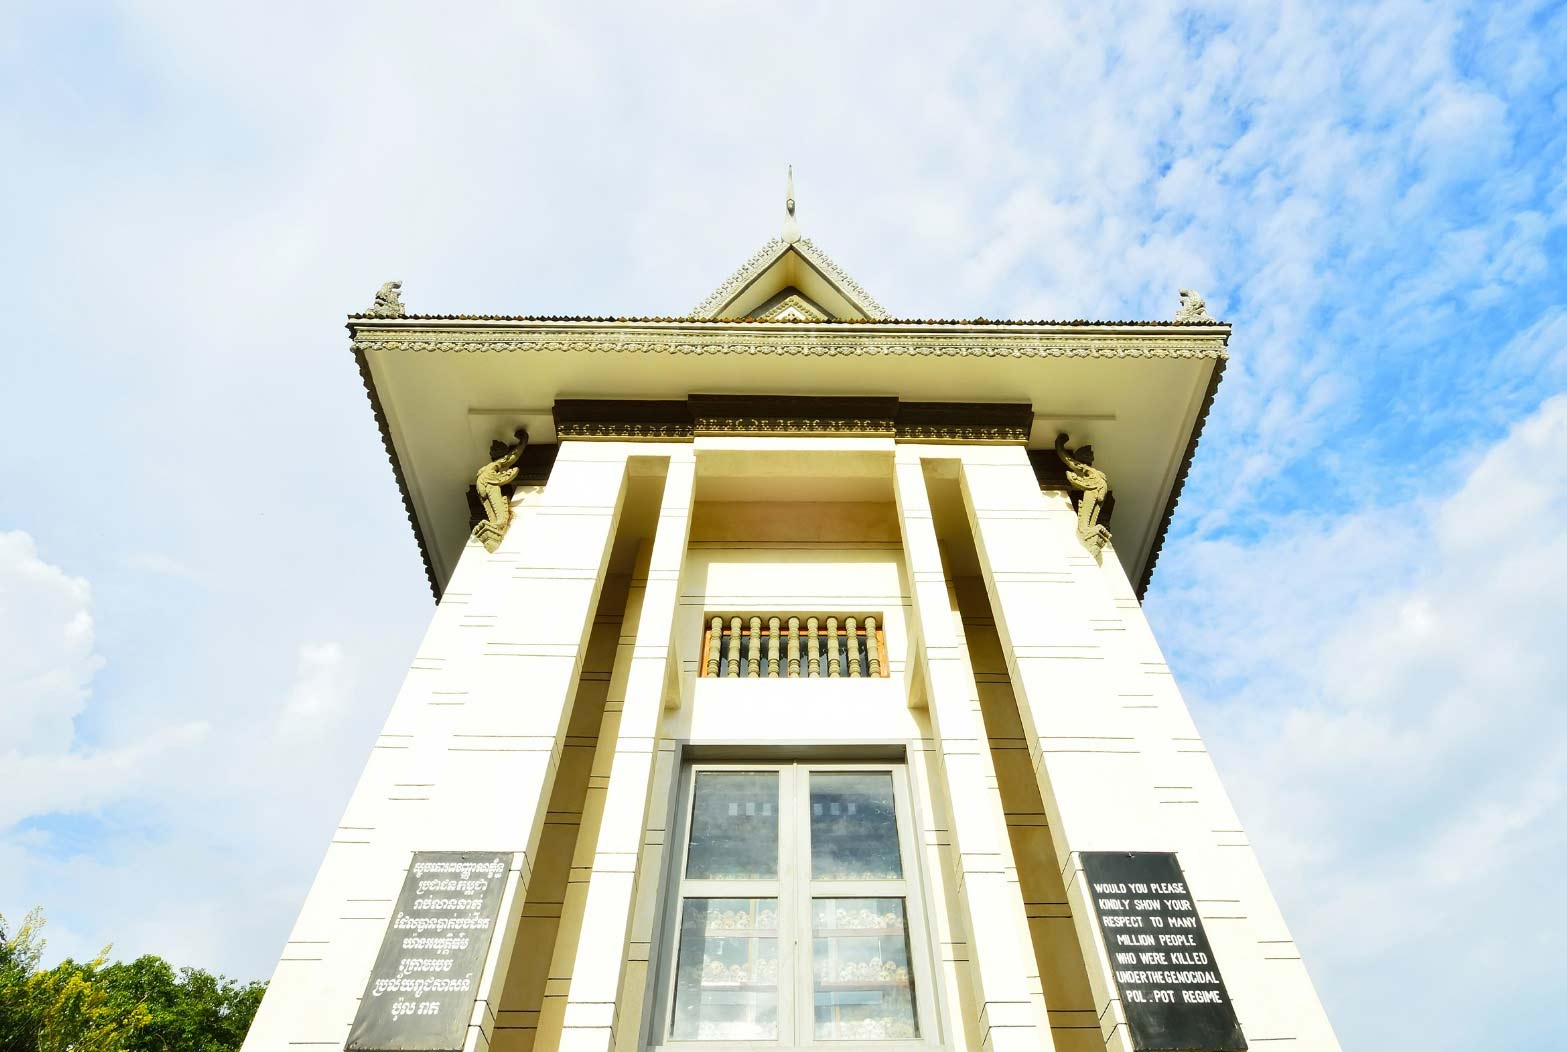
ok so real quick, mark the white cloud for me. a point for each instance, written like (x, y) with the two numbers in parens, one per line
(46, 672)
(1538, 353)
(48, 661)
(163, 565)
(53, 783)
(322, 685)
(1462, 132)
(188, 803)
(1382, 692)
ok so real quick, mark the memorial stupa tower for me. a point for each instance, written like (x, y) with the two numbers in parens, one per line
(788, 687)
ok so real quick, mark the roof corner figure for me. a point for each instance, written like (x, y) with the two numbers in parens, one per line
(791, 232)
(500, 471)
(1082, 474)
(388, 302)
(1194, 310)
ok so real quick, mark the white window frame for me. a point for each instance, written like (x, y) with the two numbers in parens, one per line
(793, 890)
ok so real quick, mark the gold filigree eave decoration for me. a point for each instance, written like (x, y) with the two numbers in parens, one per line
(789, 344)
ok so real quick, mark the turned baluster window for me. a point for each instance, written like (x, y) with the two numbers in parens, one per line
(794, 646)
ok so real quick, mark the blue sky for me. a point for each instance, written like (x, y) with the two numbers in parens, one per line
(208, 590)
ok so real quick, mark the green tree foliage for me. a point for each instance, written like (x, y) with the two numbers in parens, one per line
(136, 1006)
(194, 1010)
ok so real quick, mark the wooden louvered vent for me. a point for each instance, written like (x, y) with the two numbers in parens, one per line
(790, 647)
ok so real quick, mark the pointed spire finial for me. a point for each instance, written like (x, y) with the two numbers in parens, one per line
(791, 232)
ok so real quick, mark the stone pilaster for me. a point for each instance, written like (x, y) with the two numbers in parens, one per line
(624, 846)
(1008, 998)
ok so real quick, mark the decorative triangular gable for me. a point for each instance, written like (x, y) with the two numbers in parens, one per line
(792, 306)
(791, 266)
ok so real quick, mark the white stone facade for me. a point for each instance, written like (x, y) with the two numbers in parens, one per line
(558, 691)
(789, 451)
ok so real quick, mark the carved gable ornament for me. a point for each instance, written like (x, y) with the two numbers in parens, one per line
(793, 307)
(777, 267)
(788, 264)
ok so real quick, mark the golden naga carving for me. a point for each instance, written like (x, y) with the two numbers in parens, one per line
(500, 471)
(1082, 474)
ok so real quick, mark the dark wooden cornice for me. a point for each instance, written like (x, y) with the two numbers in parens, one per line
(641, 420)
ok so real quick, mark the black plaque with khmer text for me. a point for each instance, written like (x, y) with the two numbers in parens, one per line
(421, 992)
(1170, 986)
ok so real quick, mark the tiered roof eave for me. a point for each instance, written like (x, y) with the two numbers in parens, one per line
(368, 321)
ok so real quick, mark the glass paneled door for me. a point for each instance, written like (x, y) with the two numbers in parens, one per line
(794, 919)
(726, 971)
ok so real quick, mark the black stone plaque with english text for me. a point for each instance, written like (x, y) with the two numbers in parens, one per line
(421, 992)
(1171, 990)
